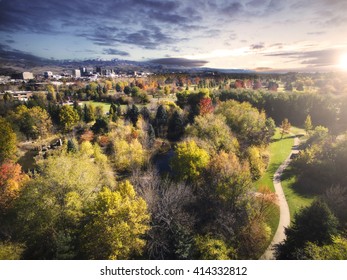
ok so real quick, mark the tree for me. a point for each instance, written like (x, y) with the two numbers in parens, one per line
(68, 117)
(133, 114)
(160, 121)
(128, 154)
(11, 182)
(145, 113)
(175, 127)
(314, 224)
(100, 126)
(117, 220)
(33, 122)
(214, 131)
(308, 124)
(189, 161)
(285, 127)
(50, 207)
(205, 106)
(8, 141)
(89, 113)
(209, 248)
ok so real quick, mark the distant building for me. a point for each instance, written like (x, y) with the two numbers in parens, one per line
(48, 74)
(23, 76)
(76, 73)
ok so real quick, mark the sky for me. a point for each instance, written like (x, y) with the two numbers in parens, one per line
(298, 35)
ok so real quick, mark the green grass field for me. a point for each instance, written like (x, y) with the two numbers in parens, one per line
(295, 201)
(279, 150)
(105, 106)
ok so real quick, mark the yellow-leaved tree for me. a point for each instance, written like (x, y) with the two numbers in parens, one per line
(117, 221)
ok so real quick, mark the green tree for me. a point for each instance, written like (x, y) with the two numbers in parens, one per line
(314, 224)
(189, 161)
(8, 141)
(117, 221)
(160, 121)
(175, 127)
(335, 251)
(89, 113)
(133, 114)
(68, 117)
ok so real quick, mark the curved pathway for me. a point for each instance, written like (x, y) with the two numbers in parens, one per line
(284, 209)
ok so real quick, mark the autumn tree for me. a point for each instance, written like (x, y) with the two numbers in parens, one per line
(68, 117)
(7, 141)
(189, 161)
(33, 122)
(205, 106)
(50, 208)
(214, 130)
(117, 221)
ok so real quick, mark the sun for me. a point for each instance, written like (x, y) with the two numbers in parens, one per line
(343, 62)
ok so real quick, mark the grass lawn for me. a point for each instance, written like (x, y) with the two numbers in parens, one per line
(295, 201)
(279, 150)
(105, 106)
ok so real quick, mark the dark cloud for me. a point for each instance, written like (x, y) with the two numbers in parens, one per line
(6, 52)
(115, 52)
(183, 62)
(257, 46)
(319, 58)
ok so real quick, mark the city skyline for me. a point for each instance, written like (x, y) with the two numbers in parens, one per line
(253, 34)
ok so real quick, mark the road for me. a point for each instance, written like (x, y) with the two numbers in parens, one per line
(283, 205)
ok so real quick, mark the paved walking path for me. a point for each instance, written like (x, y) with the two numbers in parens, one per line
(284, 209)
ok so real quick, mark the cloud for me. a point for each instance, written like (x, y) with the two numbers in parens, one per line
(115, 52)
(316, 58)
(179, 62)
(258, 46)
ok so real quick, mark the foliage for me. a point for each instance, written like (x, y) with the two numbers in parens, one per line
(33, 122)
(314, 224)
(209, 248)
(50, 207)
(335, 251)
(8, 141)
(128, 155)
(68, 117)
(256, 162)
(308, 124)
(117, 221)
(101, 126)
(160, 121)
(213, 129)
(175, 127)
(248, 124)
(189, 160)
(11, 181)
(285, 127)
(10, 251)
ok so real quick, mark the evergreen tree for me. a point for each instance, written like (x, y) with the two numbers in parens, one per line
(176, 127)
(161, 121)
(133, 114)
